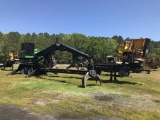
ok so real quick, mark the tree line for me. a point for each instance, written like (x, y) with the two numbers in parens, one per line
(97, 47)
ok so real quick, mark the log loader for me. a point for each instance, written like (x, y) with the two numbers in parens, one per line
(43, 61)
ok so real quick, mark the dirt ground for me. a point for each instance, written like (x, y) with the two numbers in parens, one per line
(8, 112)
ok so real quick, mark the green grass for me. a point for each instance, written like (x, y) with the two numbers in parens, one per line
(136, 97)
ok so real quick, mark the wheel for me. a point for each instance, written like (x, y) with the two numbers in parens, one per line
(30, 70)
(23, 71)
(123, 73)
(128, 73)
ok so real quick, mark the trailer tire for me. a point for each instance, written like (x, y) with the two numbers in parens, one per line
(30, 70)
(23, 71)
(123, 73)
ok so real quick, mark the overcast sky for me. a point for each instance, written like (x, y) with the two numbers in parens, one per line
(127, 18)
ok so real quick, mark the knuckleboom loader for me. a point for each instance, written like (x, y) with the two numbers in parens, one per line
(41, 62)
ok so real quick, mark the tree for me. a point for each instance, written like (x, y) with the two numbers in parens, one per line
(118, 39)
(100, 47)
(2, 46)
(27, 38)
(33, 37)
(13, 41)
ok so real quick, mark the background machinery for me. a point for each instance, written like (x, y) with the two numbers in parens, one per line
(153, 63)
(132, 50)
(131, 53)
(10, 59)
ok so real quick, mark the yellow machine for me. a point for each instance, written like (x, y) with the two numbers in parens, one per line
(14, 56)
(137, 48)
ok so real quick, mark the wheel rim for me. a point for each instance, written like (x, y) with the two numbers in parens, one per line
(30, 70)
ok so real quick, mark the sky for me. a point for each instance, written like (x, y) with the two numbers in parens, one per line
(105, 18)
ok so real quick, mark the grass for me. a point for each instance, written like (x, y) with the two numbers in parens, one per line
(135, 97)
